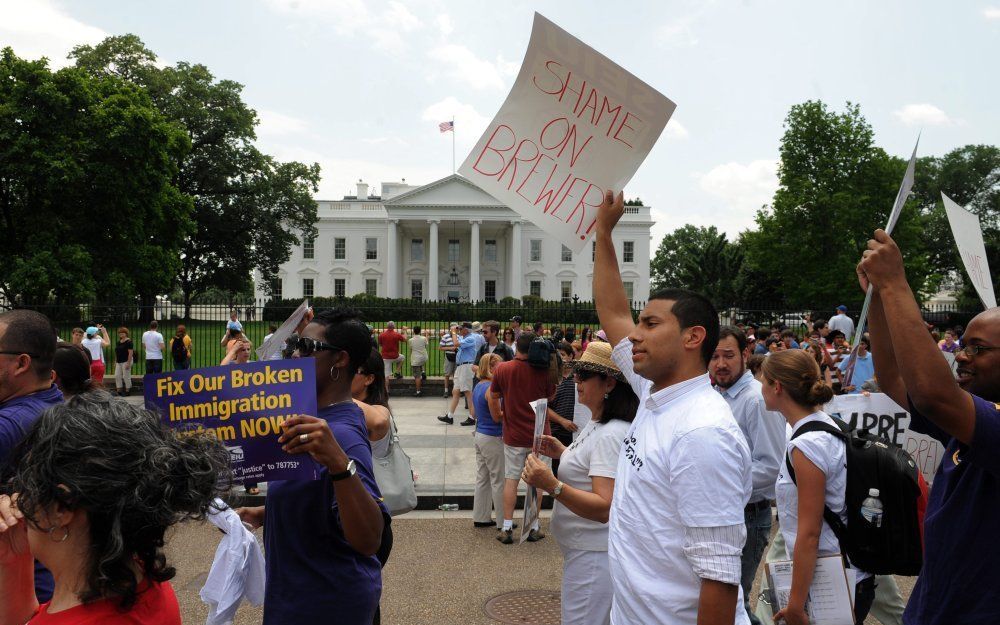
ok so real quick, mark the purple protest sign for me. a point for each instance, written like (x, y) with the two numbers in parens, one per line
(243, 406)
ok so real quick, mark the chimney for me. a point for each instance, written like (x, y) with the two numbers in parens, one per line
(362, 190)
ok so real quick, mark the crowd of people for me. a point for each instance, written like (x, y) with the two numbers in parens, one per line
(673, 441)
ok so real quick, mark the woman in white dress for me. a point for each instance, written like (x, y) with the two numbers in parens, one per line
(792, 385)
(585, 485)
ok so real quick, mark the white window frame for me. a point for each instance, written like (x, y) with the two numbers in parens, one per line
(369, 251)
(309, 248)
(342, 283)
(566, 255)
(490, 250)
(535, 251)
(341, 253)
(368, 283)
(531, 287)
(311, 291)
(628, 251)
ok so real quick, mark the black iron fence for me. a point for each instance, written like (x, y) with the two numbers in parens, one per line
(205, 324)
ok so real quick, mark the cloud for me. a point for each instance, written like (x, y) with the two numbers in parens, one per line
(922, 115)
(462, 64)
(444, 24)
(743, 188)
(41, 28)
(274, 124)
(384, 28)
(675, 130)
(468, 121)
(678, 32)
(991, 13)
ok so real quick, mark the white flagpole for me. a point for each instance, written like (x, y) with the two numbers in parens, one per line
(453, 170)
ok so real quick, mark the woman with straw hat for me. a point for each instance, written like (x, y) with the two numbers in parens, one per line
(586, 482)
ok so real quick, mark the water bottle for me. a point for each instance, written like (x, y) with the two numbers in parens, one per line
(871, 508)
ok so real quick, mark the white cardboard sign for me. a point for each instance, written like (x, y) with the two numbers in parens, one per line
(574, 125)
(969, 239)
(879, 415)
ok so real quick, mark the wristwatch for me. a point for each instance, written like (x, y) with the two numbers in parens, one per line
(343, 475)
(557, 490)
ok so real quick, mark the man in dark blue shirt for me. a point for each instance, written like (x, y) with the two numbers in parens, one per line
(27, 347)
(961, 550)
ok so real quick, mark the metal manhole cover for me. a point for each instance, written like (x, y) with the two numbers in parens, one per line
(538, 607)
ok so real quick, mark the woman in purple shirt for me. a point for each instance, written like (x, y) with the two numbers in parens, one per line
(321, 536)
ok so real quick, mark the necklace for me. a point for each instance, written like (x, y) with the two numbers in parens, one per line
(338, 403)
(587, 432)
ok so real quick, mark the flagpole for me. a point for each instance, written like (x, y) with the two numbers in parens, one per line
(453, 170)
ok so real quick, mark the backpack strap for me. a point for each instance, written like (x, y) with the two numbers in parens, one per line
(832, 519)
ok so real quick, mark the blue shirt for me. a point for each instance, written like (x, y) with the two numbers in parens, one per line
(764, 431)
(16, 418)
(467, 348)
(863, 370)
(313, 573)
(484, 421)
(961, 550)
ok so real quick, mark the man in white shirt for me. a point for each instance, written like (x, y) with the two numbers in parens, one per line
(842, 322)
(152, 342)
(765, 434)
(676, 532)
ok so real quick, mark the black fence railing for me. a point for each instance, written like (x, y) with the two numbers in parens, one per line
(206, 323)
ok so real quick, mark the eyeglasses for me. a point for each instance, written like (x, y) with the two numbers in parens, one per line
(969, 350)
(18, 354)
(307, 346)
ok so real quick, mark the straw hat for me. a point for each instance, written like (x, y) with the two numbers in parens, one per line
(597, 358)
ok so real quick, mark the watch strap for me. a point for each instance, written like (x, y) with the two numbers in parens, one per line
(343, 475)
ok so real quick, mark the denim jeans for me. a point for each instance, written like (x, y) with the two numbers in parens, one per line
(758, 524)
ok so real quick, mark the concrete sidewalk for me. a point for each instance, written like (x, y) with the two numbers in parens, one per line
(443, 456)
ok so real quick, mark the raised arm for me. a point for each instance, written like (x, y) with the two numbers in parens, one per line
(886, 367)
(613, 309)
(926, 376)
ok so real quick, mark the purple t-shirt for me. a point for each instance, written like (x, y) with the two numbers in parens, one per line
(961, 549)
(313, 573)
(16, 418)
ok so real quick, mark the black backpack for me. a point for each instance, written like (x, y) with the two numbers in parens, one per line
(178, 350)
(896, 546)
(540, 353)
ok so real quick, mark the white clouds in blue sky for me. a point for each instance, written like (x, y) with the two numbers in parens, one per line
(360, 85)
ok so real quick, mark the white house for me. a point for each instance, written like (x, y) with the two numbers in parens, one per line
(449, 240)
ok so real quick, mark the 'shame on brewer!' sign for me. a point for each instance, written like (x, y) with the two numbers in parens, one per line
(574, 125)
(243, 406)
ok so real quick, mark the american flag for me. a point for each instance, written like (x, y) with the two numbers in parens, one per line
(447, 126)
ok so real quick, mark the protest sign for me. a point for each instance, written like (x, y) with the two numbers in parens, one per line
(277, 340)
(897, 208)
(574, 125)
(243, 406)
(969, 239)
(878, 414)
(532, 501)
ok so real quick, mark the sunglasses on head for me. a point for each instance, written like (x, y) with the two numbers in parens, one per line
(307, 346)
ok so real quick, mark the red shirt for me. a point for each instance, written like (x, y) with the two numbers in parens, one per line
(156, 605)
(389, 341)
(518, 383)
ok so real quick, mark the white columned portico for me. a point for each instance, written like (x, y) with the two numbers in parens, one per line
(392, 261)
(474, 294)
(514, 261)
(432, 263)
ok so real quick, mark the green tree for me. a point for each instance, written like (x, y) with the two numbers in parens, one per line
(970, 175)
(835, 188)
(249, 208)
(86, 198)
(701, 259)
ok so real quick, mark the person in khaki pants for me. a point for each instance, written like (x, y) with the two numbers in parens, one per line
(489, 450)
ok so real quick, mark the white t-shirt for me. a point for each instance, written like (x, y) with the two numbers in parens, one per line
(677, 515)
(95, 348)
(829, 454)
(418, 350)
(151, 341)
(843, 323)
(594, 453)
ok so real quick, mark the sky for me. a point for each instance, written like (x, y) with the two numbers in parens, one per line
(360, 86)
